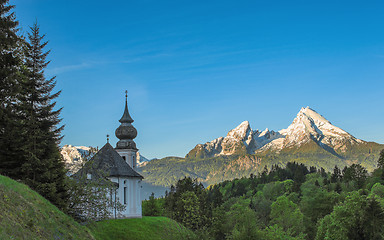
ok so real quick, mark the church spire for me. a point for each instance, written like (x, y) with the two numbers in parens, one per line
(126, 118)
(126, 132)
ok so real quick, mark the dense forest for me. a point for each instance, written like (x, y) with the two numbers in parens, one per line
(295, 202)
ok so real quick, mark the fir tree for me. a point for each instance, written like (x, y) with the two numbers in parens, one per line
(10, 65)
(152, 209)
(336, 176)
(43, 169)
(380, 161)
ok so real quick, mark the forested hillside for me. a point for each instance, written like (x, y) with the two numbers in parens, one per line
(294, 202)
(167, 171)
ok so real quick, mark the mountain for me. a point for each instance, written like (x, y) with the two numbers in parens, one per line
(307, 128)
(310, 139)
(75, 156)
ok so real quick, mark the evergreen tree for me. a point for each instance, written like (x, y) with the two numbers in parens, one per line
(380, 161)
(338, 188)
(43, 168)
(152, 209)
(10, 65)
(336, 176)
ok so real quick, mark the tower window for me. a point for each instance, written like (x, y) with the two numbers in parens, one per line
(125, 195)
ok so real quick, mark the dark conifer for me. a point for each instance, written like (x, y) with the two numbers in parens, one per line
(336, 176)
(338, 188)
(10, 65)
(43, 169)
(380, 161)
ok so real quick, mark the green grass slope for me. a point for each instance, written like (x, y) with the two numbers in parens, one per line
(24, 214)
(146, 228)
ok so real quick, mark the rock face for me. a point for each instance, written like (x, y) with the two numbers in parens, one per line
(75, 156)
(307, 128)
(140, 160)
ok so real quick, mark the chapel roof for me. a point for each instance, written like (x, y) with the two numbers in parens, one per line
(107, 161)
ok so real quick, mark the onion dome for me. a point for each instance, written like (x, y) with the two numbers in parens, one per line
(126, 132)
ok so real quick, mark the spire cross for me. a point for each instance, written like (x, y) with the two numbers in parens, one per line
(126, 95)
(107, 138)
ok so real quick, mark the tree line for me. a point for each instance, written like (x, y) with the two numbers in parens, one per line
(294, 202)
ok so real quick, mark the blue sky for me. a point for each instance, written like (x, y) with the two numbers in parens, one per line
(196, 69)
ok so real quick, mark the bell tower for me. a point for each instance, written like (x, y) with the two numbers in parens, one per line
(126, 132)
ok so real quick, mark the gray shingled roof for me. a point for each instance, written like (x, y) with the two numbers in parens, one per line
(108, 161)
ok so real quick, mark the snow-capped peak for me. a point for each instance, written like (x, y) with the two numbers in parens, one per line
(241, 131)
(309, 124)
(264, 133)
(310, 113)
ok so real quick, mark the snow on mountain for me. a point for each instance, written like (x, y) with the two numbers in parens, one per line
(141, 160)
(307, 126)
(75, 156)
(310, 125)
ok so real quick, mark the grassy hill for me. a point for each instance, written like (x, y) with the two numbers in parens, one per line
(154, 228)
(24, 214)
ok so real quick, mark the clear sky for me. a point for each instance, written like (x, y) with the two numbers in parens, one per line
(196, 69)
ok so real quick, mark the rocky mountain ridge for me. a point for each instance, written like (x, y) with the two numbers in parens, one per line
(75, 156)
(308, 127)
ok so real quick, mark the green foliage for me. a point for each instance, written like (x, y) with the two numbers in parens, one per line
(154, 228)
(355, 172)
(283, 203)
(93, 200)
(287, 215)
(358, 217)
(189, 210)
(186, 203)
(218, 230)
(316, 202)
(43, 168)
(29, 131)
(11, 128)
(380, 161)
(152, 206)
(276, 232)
(24, 214)
(242, 220)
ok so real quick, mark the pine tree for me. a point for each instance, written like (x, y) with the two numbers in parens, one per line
(43, 169)
(152, 209)
(336, 174)
(10, 65)
(380, 161)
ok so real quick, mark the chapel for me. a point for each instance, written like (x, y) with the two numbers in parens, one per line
(119, 164)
